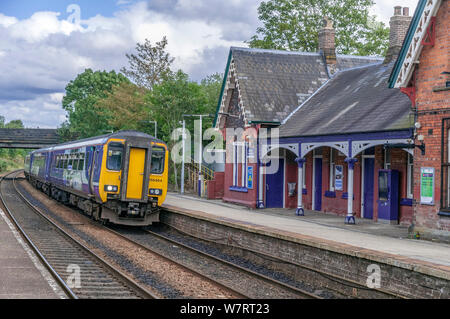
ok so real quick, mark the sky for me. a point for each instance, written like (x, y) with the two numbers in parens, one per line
(45, 43)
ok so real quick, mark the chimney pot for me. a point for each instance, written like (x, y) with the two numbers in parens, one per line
(327, 44)
(398, 27)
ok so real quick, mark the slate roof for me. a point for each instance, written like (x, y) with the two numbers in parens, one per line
(274, 83)
(353, 101)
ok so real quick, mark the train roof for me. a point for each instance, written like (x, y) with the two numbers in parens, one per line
(98, 140)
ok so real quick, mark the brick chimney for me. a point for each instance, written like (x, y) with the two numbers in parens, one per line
(327, 44)
(399, 25)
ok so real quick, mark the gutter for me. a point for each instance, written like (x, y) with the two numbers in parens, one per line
(227, 69)
(406, 43)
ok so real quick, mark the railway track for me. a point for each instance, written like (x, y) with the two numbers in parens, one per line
(64, 256)
(332, 277)
(301, 293)
(233, 270)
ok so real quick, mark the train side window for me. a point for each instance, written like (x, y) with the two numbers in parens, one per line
(115, 154)
(65, 162)
(158, 154)
(75, 163)
(87, 160)
(81, 162)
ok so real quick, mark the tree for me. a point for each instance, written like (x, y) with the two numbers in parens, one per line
(82, 94)
(172, 98)
(151, 65)
(295, 24)
(211, 86)
(15, 124)
(125, 107)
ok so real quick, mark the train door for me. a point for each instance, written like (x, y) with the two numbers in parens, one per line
(92, 169)
(136, 169)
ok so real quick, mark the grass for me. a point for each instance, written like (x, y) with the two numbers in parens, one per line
(10, 164)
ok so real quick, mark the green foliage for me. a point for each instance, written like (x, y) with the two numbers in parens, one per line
(151, 66)
(126, 108)
(11, 159)
(294, 25)
(175, 96)
(82, 94)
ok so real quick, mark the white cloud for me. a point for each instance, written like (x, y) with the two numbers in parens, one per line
(41, 54)
(384, 9)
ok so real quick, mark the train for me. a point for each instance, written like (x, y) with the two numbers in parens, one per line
(119, 178)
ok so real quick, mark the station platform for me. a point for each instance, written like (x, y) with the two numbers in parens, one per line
(22, 276)
(366, 239)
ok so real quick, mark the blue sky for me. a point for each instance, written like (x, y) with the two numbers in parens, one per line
(41, 49)
(22, 9)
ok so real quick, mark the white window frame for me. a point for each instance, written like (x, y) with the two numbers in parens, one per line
(332, 171)
(235, 150)
(304, 176)
(243, 164)
(448, 159)
(410, 176)
(239, 157)
(387, 158)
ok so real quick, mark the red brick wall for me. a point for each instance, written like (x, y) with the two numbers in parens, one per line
(215, 187)
(433, 61)
(338, 205)
(247, 199)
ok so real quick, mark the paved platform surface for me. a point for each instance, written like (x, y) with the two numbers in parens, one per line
(366, 235)
(22, 276)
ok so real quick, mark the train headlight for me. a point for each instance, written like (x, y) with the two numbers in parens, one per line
(155, 191)
(111, 188)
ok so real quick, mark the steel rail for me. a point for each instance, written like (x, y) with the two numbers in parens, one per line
(336, 278)
(194, 272)
(265, 278)
(47, 265)
(120, 276)
(173, 261)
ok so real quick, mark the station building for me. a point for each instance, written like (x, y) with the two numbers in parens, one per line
(422, 72)
(346, 137)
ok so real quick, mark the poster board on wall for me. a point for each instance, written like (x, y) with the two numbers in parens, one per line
(338, 177)
(427, 179)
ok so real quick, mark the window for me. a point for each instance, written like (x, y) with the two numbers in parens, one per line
(75, 162)
(70, 163)
(304, 175)
(158, 154)
(81, 162)
(115, 154)
(332, 170)
(410, 177)
(239, 158)
(445, 164)
(65, 162)
(387, 158)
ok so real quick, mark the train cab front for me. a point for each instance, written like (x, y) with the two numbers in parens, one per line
(128, 166)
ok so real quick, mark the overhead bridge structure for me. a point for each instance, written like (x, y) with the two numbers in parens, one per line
(28, 138)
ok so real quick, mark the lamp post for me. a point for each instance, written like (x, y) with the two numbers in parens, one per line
(182, 163)
(200, 155)
(156, 127)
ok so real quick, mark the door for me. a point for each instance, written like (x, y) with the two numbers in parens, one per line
(274, 187)
(317, 183)
(136, 168)
(369, 167)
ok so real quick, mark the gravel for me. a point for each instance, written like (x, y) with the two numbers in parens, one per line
(166, 279)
